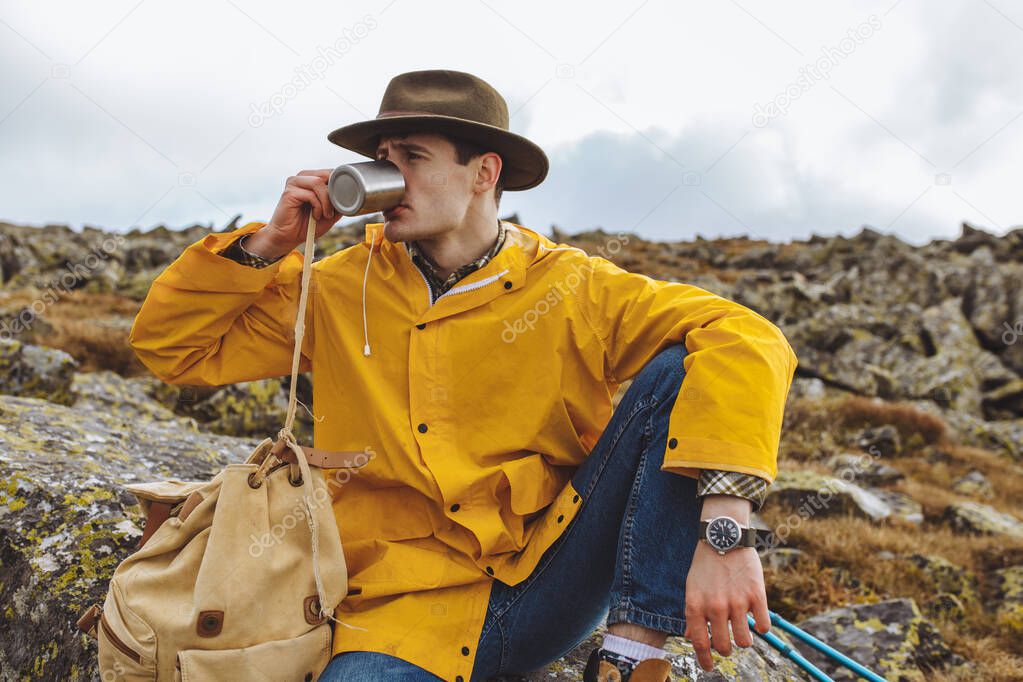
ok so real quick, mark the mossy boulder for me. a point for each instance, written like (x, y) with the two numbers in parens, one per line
(891, 638)
(1008, 601)
(946, 576)
(66, 521)
(815, 495)
(974, 518)
(974, 484)
(36, 371)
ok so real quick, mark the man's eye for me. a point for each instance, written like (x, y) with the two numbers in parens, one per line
(413, 155)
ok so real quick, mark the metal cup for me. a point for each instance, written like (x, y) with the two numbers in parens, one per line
(367, 187)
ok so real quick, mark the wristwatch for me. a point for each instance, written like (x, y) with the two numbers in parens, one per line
(724, 534)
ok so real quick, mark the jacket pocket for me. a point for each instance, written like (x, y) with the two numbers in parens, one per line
(300, 660)
(122, 656)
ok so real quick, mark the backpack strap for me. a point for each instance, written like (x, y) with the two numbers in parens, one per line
(89, 619)
(158, 513)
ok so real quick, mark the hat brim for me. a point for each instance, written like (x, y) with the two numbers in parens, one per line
(524, 164)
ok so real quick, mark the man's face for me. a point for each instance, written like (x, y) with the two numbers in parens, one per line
(438, 189)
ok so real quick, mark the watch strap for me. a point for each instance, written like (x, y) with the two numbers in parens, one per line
(747, 535)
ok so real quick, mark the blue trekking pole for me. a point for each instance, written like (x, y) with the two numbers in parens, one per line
(798, 658)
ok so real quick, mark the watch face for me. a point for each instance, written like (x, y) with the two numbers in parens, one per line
(723, 533)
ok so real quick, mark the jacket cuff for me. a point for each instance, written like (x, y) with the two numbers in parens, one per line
(202, 266)
(238, 254)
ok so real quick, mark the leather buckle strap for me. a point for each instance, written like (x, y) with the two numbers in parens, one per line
(327, 459)
(158, 513)
(88, 620)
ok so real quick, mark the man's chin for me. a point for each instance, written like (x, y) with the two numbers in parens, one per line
(395, 231)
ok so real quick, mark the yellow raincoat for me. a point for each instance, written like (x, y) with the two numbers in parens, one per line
(478, 408)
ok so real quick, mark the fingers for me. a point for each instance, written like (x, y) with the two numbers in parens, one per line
(726, 621)
(307, 196)
(719, 634)
(761, 615)
(696, 633)
(740, 628)
(315, 182)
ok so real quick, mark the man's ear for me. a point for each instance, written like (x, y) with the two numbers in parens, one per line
(489, 170)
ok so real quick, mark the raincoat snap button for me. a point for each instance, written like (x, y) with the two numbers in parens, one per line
(465, 651)
(507, 285)
(575, 498)
(458, 678)
(421, 326)
(455, 507)
(422, 428)
(672, 443)
(490, 570)
(561, 517)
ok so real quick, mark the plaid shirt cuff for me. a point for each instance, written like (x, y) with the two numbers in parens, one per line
(235, 252)
(746, 486)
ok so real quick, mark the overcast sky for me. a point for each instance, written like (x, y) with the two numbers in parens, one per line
(664, 118)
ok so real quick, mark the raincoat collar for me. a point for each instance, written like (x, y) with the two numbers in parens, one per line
(504, 274)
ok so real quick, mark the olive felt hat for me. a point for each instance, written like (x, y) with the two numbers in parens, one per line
(454, 103)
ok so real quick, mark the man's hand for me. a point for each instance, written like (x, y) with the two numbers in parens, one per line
(303, 193)
(722, 589)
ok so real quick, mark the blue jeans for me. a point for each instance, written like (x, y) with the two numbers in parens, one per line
(625, 555)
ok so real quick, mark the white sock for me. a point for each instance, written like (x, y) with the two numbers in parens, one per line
(637, 651)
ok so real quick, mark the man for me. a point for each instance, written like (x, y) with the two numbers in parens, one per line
(508, 509)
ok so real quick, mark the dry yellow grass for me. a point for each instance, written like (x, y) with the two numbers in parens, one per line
(88, 326)
(907, 419)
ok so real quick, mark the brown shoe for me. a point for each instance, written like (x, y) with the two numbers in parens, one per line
(601, 669)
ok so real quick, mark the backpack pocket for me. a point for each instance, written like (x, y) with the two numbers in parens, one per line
(127, 646)
(301, 659)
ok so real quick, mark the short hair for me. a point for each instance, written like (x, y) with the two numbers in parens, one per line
(466, 151)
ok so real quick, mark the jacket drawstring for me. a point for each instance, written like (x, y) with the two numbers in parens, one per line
(365, 330)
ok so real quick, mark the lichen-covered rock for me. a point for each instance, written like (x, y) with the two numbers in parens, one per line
(1004, 436)
(975, 484)
(902, 506)
(864, 469)
(811, 494)
(1008, 601)
(781, 558)
(974, 518)
(1005, 401)
(890, 638)
(880, 441)
(129, 398)
(945, 576)
(36, 371)
(252, 408)
(244, 408)
(807, 388)
(67, 523)
(896, 350)
(992, 298)
(945, 605)
(57, 257)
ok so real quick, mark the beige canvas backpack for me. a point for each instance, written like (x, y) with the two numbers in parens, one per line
(235, 578)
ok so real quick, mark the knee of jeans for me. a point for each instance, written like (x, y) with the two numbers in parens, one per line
(664, 372)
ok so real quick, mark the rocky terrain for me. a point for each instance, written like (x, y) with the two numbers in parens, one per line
(893, 531)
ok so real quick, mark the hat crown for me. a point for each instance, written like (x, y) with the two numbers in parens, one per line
(445, 93)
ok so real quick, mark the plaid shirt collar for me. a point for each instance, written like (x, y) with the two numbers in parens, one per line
(430, 269)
